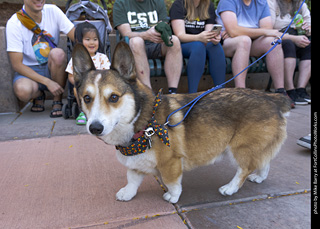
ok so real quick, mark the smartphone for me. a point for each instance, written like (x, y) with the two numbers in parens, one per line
(217, 28)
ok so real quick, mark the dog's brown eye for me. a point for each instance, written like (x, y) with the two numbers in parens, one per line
(87, 99)
(114, 98)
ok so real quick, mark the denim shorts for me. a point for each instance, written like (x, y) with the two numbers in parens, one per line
(40, 69)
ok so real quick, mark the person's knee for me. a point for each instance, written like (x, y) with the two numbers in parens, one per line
(176, 43)
(23, 91)
(57, 57)
(244, 42)
(137, 44)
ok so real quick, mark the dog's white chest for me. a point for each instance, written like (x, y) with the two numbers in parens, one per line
(145, 162)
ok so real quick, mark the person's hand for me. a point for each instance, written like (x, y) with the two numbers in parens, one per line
(206, 36)
(224, 35)
(216, 39)
(307, 28)
(54, 88)
(153, 35)
(272, 33)
(301, 41)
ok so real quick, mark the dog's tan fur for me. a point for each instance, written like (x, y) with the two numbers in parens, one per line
(246, 124)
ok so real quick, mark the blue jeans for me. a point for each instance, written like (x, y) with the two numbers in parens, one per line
(197, 52)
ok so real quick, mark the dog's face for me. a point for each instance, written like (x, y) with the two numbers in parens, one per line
(106, 95)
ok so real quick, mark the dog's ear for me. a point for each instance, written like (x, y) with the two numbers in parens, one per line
(123, 61)
(82, 62)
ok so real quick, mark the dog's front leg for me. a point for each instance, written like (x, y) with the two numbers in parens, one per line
(134, 178)
(171, 174)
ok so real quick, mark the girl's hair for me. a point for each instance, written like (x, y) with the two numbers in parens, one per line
(288, 7)
(82, 29)
(201, 12)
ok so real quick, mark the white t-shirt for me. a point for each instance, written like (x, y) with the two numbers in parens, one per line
(100, 61)
(19, 37)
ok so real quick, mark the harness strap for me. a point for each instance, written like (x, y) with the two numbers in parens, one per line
(141, 140)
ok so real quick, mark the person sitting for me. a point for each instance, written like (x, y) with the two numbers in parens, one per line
(248, 32)
(294, 46)
(137, 19)
(37, 67)
(192, 22)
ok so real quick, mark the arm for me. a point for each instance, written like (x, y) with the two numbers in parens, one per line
(17, 65)
(230, 22)
(178, 27)
(150, 35)
(71, 34)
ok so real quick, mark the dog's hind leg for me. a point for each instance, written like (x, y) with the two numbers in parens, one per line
(135, 179)
(260, 175)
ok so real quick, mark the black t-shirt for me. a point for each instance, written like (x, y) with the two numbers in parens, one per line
(178, 11)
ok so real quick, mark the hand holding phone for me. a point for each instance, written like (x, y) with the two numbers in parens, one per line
(216, 28)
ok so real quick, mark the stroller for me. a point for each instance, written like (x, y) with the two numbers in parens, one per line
(94, 14)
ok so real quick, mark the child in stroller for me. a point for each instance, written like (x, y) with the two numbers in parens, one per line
(88, 35)
(94, 14)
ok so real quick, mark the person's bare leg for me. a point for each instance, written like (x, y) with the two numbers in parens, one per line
(140, 57)
(289, 66)
(304, 73)
(57, 63)
(275, 59)
(239, 49)
(26, 89)
(173, 62)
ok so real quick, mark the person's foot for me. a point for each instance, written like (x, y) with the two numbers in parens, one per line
(296, 98)
(302, 93)
(305, 141)
(81, 120)
(283, 91)
(56, 109)
(38, 103)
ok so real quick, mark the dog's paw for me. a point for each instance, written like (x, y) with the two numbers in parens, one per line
(170, 198)
(255, 178)
(125, 194)
(228, 189)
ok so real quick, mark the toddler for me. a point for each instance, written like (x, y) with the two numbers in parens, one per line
(88, 35)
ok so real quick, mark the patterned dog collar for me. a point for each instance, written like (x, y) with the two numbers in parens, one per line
(140, 144)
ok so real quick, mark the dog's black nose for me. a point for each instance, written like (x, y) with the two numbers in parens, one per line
(96, 128)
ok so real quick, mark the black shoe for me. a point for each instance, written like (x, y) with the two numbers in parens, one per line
(302, 93)
(296, 98)
(305, 141)
(282, 91)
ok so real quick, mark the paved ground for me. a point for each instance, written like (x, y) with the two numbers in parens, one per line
(54, 175)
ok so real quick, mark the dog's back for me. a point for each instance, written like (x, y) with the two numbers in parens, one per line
(248, 125)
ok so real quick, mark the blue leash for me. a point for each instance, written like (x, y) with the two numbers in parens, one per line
(277, 40)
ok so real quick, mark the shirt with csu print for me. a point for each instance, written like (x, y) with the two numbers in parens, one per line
(141, 15)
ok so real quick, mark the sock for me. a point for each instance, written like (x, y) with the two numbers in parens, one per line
(172, 90)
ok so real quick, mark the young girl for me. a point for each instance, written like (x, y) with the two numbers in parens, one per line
(88, 35)
(192, 22)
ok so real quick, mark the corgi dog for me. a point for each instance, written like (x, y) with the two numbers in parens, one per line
(248, 125)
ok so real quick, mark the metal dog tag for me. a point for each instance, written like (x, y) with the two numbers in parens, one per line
(149, 132)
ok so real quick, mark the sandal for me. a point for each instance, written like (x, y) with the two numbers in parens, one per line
(36, 107)
(81, 120)
(56, 109)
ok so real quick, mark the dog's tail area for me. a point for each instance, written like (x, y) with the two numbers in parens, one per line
(282, 101)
